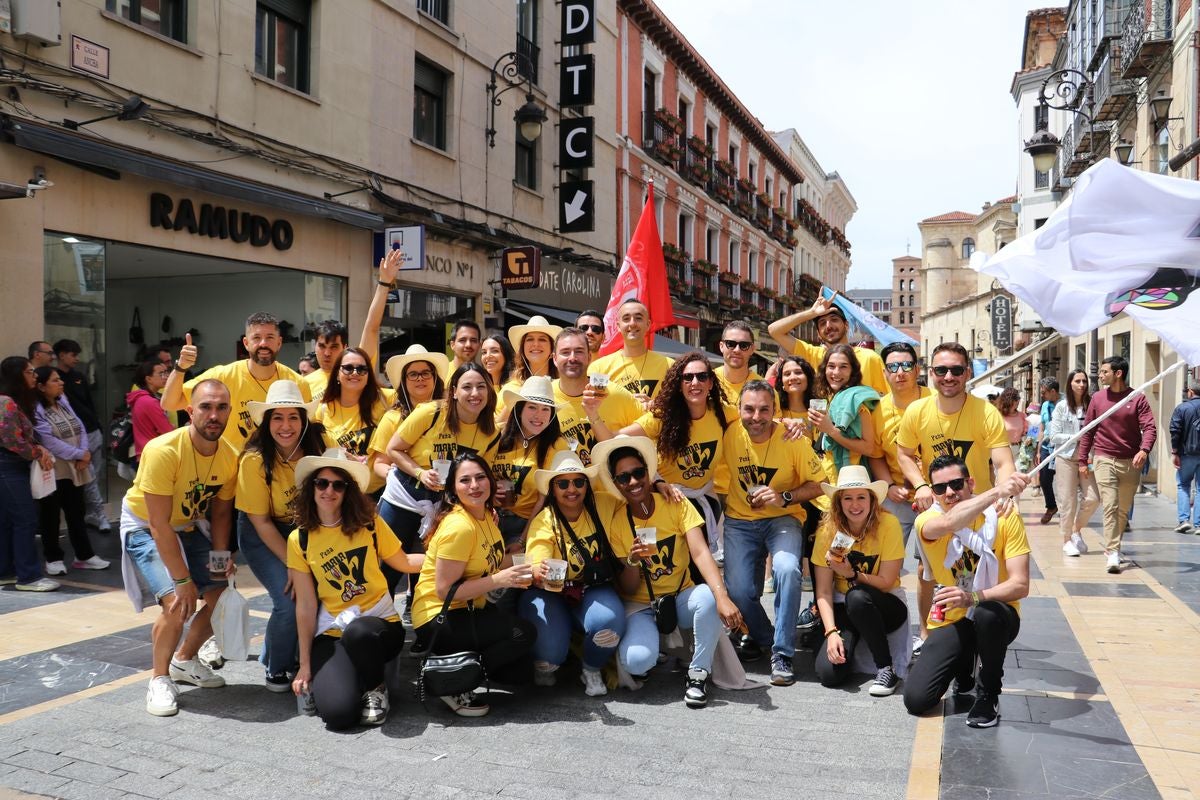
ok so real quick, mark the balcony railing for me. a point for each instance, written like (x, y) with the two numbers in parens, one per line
(438, 9)
(1145, 38)
(662, 143)
(1113, 93)
(527, 65)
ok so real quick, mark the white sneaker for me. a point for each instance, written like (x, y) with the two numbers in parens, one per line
(56, 568)
(466, 705)
(40, 585)
(543, 673)
(1080, 544)
(196, 674)
(160, 697)
(1114, 562)
(210, 654)
(95, 562)
(593, 683)
(1069, 548)
(374, 706)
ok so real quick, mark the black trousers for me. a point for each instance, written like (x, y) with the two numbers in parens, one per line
(951, 651)
(68, 500)
(344, 667)
(503, 640)
(1046, 481)
(868, 616)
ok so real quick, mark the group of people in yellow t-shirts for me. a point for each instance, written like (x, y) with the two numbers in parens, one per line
(543, 495)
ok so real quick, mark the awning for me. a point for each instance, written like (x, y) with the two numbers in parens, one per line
(89, 152)
(522, 309)
(1017, 358)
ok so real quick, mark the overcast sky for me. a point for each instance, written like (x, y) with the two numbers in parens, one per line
(908, 100)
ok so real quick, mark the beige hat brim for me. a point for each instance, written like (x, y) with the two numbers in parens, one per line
(642, 444)
(877, 488)
(510, 398)
(394, 369)
(357, 470)
(257, 409)
(518, 332)
(542, 477)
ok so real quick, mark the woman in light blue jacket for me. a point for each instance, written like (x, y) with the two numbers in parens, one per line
(1077, 499)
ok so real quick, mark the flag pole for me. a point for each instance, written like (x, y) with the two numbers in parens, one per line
(1178, 365)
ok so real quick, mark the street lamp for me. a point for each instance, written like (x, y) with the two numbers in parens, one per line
(133, 108)
(1124, 150)
(529, 117)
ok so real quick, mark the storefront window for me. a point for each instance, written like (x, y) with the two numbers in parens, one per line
(423, 318)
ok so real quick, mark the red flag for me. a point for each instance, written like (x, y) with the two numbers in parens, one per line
(643, 276)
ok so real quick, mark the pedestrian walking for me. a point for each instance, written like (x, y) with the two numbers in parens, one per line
(1185, 452)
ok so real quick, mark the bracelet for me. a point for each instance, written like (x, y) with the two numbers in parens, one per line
(919, 488)
(632, 561)
(832, 631)
(385, 284)
(182, 581)
(178, 368)
(854, 578)
(418, 474)
(974, 599)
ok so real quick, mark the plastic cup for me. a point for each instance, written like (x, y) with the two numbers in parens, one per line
(818, 404)
(518, 559)
(556, 575)
(218, 561)
(841, 545)
(442, 467)
(754, 490)
(646, 535)
(599, 382)
(506, 486)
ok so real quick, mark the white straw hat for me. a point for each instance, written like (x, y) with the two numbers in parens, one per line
(565, 462)
(394, 369)
(280, 394)
(642, 444)
(537, 389)
(536, 324)
(856, 476)
(336, 458)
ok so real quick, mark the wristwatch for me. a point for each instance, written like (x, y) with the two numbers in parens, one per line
(787, 499)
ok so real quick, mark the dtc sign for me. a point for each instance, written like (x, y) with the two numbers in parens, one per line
(577, 135)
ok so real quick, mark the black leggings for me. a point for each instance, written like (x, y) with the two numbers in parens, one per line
(345, 667)
(404, 524)
(868, 615)
(951, 650)
(68, 499)
(502, 639)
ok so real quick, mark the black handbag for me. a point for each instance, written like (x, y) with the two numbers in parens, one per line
(453, 673)
(136, 334)
(666, 614)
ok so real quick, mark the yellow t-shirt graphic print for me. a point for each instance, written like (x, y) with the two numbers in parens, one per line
(617, 410)
(970, 434)
(171, 467)
(697, 464)
(244, 387)
(427, 429)
(641, 375)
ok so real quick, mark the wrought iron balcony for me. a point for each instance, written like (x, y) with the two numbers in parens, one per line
(1146, 37)
(527, 66)
(1113, 92)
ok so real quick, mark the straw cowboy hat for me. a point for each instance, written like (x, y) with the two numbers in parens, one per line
(642, 444)
(281, 394)
(415, 352)
(536, 324)
(854, 476)
(537, 389)
(334, 457)
(565, 463)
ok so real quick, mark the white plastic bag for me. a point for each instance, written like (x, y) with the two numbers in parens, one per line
(231, 624)
(42, 482)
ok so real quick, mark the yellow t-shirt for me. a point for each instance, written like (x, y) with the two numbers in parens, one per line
(885, 543)
(459, 537)
(253, 495)
(732, 390)
(617, 410)
(669, 566)
(887, 423)
(345, 424)
(1010, 542)
(316, 382)
(776, 463)
(244, 387)
(641, 375)
(546, 538)
(171, 467)
(829, 464)
(346, 567)
(427, 429)
(696, 465)
(971, 434)
(517, 465)
(868, 360)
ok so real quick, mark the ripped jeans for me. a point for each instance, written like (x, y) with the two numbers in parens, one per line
(600, 612)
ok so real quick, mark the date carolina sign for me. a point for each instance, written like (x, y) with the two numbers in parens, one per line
(218, 222)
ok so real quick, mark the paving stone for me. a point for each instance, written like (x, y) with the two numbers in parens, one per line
(145, 767)
(38, 760)
(92, 773)
(28, 780)
(145, 785)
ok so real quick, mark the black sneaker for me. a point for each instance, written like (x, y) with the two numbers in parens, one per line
(986, 711)
(696, 692)
(964, 686)
(781, 671)
(278, 682)
(885, 682)
(406, 617)
(748, 649)
(809, 618)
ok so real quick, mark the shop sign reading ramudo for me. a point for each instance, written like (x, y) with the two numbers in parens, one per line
(218, 222)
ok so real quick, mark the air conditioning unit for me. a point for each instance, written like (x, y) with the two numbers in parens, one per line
(38, 20)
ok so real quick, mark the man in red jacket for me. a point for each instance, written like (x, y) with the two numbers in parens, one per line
(1117, 449)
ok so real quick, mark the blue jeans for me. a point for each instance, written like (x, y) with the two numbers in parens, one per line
(1185, 477)
(697, 610)
(142, 548)
(280, 652)
(18, 521)
(600, 611)
(747, 543)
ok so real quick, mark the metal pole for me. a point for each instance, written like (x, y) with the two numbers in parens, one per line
(1094, 367)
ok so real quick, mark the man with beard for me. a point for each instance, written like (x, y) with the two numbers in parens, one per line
(592, 323)
(246, 380)
(634, 367)
(832, 329)
(465, 339)
(584, 411)
(184, 476)
(737, 347)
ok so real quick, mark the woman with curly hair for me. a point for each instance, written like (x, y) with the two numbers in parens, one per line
(353, 404)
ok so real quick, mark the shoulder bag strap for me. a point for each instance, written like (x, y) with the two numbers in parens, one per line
(645, 571)
(440, 620)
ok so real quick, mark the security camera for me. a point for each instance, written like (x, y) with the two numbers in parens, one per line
(37, 182)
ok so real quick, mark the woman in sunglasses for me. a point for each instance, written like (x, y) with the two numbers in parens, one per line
(353, 404)
(846, 426)
(347, 623)
(265, 491)
(466, 555)
(658, 543)
(580, 527)
(856, 563)
(529, 440)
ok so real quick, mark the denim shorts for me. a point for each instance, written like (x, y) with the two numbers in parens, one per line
(139, 543)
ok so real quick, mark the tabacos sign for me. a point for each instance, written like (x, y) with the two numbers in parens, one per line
(218, 222)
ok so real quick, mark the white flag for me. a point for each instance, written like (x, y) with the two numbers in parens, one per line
(1124, 241)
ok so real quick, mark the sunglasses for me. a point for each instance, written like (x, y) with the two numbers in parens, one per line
(956, 371)
(355, 369)
(567, 483)
(592, 328)
(940, 488)
(690, 377)
(623, 478)
(734, 344)
(896, 366)
(325, 483)
(423, 375)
